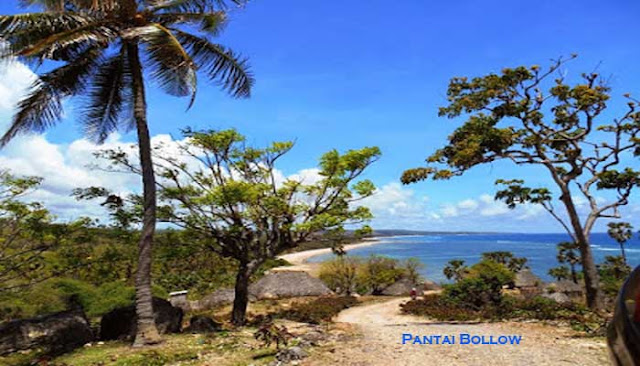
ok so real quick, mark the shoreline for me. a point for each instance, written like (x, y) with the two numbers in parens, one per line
(299, 260)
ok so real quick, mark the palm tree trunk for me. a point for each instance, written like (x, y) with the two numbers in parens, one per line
(146, 332)
(624, 256)
(574, 276)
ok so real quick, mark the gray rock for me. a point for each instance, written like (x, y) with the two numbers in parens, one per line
(121, 323)
(291, 354)
(56, 333)
(202, 324)
(558, 297)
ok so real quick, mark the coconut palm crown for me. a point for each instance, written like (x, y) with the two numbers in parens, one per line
(102, 50)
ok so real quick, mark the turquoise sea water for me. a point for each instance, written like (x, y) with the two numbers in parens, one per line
(436, 250)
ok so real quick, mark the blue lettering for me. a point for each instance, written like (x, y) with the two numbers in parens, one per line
(475, 340)
(449, 340)
(406, 337)
(515, 339)
(464, 338)
(503, 340)
(416, 340)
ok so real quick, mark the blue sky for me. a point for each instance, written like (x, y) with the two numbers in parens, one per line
(350, 74)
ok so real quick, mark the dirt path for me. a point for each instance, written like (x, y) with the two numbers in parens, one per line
(382, 327)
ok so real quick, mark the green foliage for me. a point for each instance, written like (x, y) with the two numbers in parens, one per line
(568, 253)
(95, 61)
(341, 274)
(481, 285)
(613, 272)
(345, 274)
(378, 272)
(620, 232)
(515, 264)
(319, 310)
(455, 269)
(440, 308)
(560, 273)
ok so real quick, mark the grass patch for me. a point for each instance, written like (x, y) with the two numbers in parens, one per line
(319, 310)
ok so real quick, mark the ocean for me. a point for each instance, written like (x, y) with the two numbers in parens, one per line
(434, 251)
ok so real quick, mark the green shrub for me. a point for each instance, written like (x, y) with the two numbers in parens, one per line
(319, 310)
(481, 286)
(341, 274)
(378, 272)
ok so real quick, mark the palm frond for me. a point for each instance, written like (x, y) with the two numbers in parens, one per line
(42, 107)
(108, 94)
(212, 22)
(171, 65)
(219, 63)
(194, 6)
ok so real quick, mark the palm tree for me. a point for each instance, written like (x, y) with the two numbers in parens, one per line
(568, 253)
(621, 232)
(106, 48)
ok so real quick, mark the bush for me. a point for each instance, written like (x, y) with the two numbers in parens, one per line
(53, 296)
(539, 308)
(341, 274)
(319, 310)
(378, 272)
(481, 286)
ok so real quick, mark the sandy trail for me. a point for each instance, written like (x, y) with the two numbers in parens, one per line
(382, 327)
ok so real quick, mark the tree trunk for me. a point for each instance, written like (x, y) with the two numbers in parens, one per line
(574, 275)
(147, 333)
(595, 299)
(624, 256)
(241, 299)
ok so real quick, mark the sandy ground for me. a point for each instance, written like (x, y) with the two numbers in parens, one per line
(299, 259)
(381, 326)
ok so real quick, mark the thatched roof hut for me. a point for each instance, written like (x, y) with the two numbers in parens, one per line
(278, 285)
(526, 278)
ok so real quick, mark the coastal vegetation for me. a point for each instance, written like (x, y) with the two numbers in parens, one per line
(527, 116)
(106, 48)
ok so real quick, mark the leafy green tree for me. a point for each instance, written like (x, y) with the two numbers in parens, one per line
(510, 117)
(412, 267)
(101, 47)
(615, 266)
(228, 195)
(341, 274)
(378, 272)
(621, 232)
(568, 253)
(481, 286)
(515, 264)
(560, 273)
(455, 270)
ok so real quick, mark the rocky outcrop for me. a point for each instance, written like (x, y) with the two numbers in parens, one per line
(558, 297)
(121, 323)
(280, 285)
(55, 334)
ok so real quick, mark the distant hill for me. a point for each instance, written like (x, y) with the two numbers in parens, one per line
(397, 232)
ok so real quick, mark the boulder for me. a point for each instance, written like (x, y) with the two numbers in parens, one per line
(202, 324)
(401, 287)
(558, 297)
(121, 323)
(291, 354)
(431, 286)
(278, 285)
(56, 333)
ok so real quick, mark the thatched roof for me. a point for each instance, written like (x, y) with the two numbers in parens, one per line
(288, 284)
(399, 288)
(526, 278)
(568, 287)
